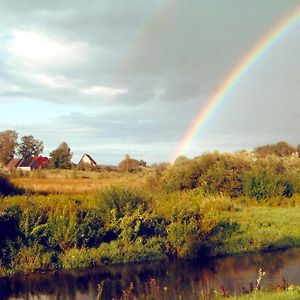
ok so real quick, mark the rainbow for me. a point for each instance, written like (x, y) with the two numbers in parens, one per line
(232, 78)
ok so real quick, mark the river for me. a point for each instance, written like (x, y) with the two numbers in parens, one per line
(181, 278)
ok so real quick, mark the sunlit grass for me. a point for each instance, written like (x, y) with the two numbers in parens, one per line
(293, 293)
(75, 182)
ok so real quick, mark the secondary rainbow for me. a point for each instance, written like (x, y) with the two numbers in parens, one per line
(280, 29)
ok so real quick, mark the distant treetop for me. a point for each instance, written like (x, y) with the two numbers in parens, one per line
(279, 149)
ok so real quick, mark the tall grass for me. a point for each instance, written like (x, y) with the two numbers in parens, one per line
(127, 224)
(215, 204)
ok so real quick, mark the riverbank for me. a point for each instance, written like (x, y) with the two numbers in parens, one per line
(120, 225)
(293, 293)
(183, 279)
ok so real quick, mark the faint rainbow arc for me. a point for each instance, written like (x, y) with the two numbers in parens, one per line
(265, 43)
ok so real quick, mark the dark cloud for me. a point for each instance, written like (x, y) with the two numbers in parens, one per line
(137, 73)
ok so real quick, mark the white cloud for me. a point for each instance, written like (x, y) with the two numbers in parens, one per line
(38, 49)
(103, 91)
(54, 81)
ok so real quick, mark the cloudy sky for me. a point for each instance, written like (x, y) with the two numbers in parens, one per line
(118, 77)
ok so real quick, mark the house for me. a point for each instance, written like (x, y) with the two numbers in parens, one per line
(41, 161)
(27, 165)
(13, 163)
(87, 160)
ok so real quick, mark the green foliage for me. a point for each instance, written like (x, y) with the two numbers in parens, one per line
(75, 258)
(291, 293)
(184, 233)
(30, 147)
(60, 158)
(7, 188)
(90, 231)
(123, 224)
(8, 145)
(9, 234)
(122, 201)
(279, 149)
(236, 175)
(261, 184)
(120, 252)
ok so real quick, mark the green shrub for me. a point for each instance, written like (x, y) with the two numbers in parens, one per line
(120, 252)
(31, 259)
(7, 188)
(215, 172)
(262, 184)
(184, 232)
(10, 235)
(122, 201)
(90, 230)
(79, 258)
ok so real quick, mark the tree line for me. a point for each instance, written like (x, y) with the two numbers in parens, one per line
(30, 147)
(268, 171)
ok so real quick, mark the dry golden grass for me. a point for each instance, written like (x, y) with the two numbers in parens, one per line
(84, 183)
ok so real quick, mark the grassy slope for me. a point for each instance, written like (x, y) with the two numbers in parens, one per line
(258, 228)
(293, 294)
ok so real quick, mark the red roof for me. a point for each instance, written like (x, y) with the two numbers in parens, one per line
(41, 161)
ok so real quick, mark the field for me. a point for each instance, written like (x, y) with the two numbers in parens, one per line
(213, 205)
(73, 181)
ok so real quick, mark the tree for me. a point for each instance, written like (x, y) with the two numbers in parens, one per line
(8, 144)
(60, 158)
(30, 147)
(129, 164)
(280, 149)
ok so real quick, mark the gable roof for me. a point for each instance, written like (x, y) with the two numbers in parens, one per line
(13, 163)
(89, 157)
(41, 161)
(27, 163)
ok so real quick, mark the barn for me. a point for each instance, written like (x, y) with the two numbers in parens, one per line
(87, 160)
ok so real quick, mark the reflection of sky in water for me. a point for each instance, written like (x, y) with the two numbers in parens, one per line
(178, 276)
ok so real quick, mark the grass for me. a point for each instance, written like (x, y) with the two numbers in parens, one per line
(155, 291)
(74, 182)
(78, 219)
(253, 229)
(292, 293)
(123, 225)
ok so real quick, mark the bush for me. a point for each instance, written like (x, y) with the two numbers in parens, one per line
(79, 258)
(184, 233)
(90, 230)
(262, 184)
(7, 188)
(215, 172)
(10, 235)
(122, 201)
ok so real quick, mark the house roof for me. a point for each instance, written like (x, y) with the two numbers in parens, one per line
(13, 163)
(26, 163)
(41, 160)
(89, 157)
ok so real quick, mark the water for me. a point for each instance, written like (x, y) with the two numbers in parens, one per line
(235, 273)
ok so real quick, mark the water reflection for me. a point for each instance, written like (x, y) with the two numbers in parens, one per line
(180, 277)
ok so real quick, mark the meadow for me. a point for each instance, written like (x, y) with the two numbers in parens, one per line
(213, 205)
(72, 181)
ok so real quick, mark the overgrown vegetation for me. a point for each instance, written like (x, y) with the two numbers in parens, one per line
(7, 188)
(236, 175)
(155, 291)
(214, 204)
(121, 225)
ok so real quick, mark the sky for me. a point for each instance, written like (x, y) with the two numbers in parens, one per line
(112, 78)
